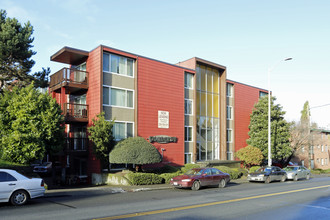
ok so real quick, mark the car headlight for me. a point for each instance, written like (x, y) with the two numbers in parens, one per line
(261, 175)
(186, 180)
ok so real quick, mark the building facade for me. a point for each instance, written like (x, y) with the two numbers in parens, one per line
(315, 156)
(184, 110)
(241, 99)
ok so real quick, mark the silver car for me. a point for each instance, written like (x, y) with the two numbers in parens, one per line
(17, 188)
(297, 172)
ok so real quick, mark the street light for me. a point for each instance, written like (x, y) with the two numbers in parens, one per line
(269, 123)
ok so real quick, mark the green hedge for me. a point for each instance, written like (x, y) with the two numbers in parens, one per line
(189, 166)
(167, 176)
(144, 178)
(234, 173)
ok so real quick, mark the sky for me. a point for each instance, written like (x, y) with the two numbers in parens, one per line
(250, 37)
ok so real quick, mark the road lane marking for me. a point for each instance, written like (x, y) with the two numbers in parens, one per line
(206, 204)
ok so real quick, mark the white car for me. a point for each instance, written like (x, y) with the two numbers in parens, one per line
(17, 188)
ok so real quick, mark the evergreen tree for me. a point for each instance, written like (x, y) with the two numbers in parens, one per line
(15, 55)
(31, 125)
(305, 114)
(280, 133)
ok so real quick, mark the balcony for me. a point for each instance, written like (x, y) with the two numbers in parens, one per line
(77, 145)
(73, 80)
(75, 112)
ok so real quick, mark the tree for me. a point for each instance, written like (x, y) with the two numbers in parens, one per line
(135, 150)
(305, 114)
(250, 156)
(15, 55)
(31, 125)
(102, 137)
(280, 143)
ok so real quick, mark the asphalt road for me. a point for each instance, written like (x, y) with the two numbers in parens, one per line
(306, 199)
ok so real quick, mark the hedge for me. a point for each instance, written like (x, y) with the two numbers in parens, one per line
(233, 172)
(167, 176)
(253, 169)
(144, 178)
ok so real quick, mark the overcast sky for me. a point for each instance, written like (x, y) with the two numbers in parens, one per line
(249, 37)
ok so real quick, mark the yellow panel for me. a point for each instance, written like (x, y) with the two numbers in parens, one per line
(215, 106)
(203, 78)
(203, 104)
(198, 103)
(209, 105)
(209, 79)
(216, 81)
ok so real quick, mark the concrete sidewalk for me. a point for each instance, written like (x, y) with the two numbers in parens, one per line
(81, 190)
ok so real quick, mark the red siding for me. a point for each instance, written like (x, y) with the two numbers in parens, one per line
(93, 99)
(161, 87)
(245, 97)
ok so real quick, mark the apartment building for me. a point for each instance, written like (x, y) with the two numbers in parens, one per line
(316, 156)
(189, 111)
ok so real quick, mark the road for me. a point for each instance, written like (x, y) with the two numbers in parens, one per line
(306, 199)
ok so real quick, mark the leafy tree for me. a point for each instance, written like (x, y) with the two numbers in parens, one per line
(305, 114)
(101, 135)
(135, 150)
(15, 55)
(280, 133)
(31, 124)
(250, 156)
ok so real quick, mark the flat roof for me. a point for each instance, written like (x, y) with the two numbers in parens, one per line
(70, 55)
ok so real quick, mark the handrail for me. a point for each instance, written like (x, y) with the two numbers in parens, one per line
(68, 75)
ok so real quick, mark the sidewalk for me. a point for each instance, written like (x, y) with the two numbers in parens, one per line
(118, 189)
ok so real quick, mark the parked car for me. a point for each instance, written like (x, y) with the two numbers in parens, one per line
(198, 177)
(267, 174)
(45, 167)
(17, 188)
(297, 172)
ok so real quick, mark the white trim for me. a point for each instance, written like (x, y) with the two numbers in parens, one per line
(192, 81)
(133, 69)
(192, 134)
(125, 122)
(119, 88)
(229, 141)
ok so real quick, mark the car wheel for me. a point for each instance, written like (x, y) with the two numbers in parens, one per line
(196, 185)
(295, 178)
(308, 176)
(267, 180)
(283, 178)
(19, 197)
(222, 183)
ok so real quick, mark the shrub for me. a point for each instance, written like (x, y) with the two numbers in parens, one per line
(144, 178)
(189, 166)
(234, 173)
(253, 169)
(250, 156)
(135, 150)
(167, 176)
(164, 169)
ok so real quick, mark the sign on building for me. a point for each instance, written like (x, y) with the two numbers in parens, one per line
(163, 119)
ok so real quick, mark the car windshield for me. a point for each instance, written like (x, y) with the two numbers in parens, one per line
(264, 169)
(290, 168)
(194, 172)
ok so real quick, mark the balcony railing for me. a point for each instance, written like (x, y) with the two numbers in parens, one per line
(77, 144)
(75, 112)
(70, 78)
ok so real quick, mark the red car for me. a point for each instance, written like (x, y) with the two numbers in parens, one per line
(197, 177)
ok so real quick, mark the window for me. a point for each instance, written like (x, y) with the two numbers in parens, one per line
(118, 97)
(188, 134)
(6, 177)
(229, 90)
(322, 161)
(118, 64)
(122, 130)
(229, 112)
(187, 158)
(322, 148)
(262, 94)
(229, 135)
(188, 80)
(188, 106)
